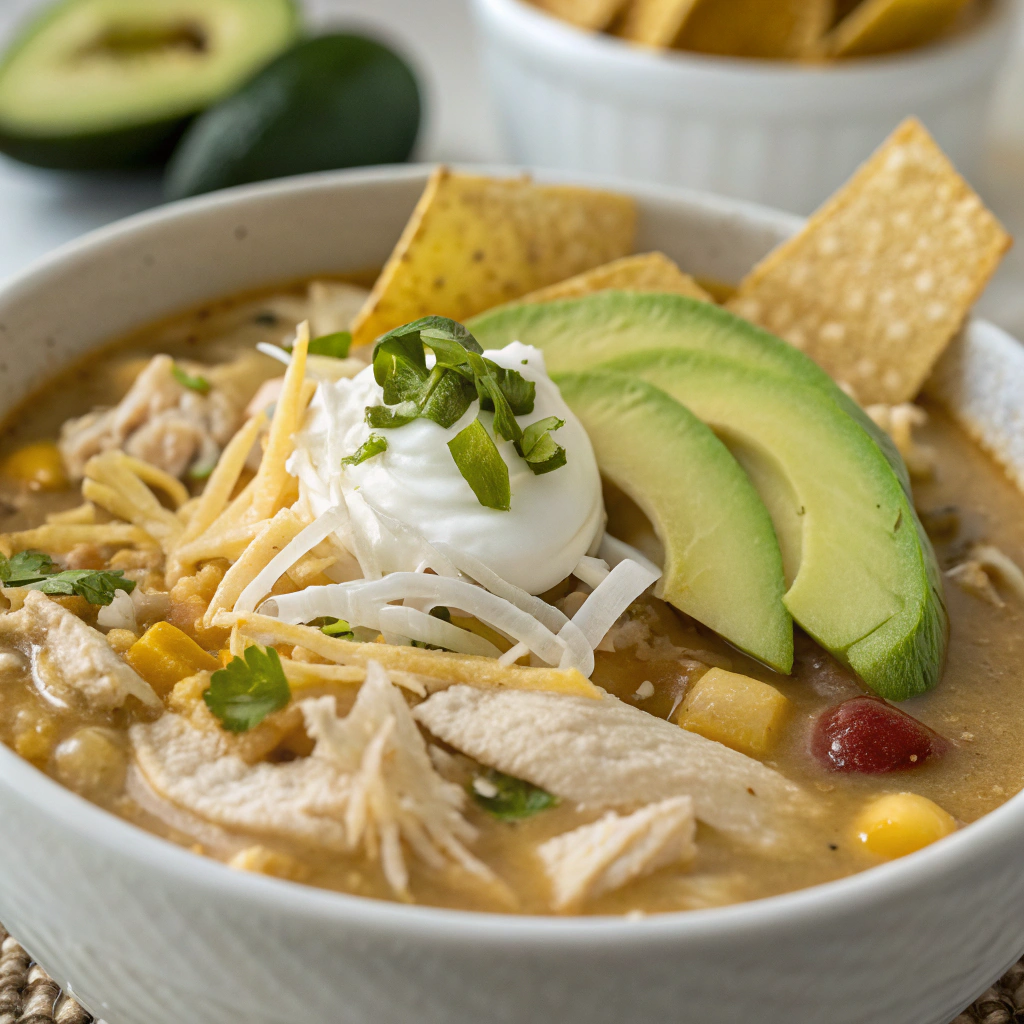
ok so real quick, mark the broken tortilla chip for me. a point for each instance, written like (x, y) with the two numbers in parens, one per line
(475, 242)
(755, 28)
(882, 26)
(647, 272)
(592, 14)
(654, 22)
(883, 275)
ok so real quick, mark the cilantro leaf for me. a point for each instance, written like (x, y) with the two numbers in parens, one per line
(97, 586)
(37, 571)
(481, 465)
(373, 445)
(509, 798)
(538, 448)
(400, 365)
(247, 690)
(334, 345)
(25, 567)
(186, 380)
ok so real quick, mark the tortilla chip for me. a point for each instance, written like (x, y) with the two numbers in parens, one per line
(592, 14)
(881, 26)
(755, 28)
(654, 22)
(648, 272)
(883, 275)
(475, 242)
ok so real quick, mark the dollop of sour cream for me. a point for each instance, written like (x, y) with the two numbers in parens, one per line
(554, 520)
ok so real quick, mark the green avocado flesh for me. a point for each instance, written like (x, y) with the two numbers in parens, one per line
(722, 561)
(863, 580)
(112, 83)
(576, 334)
(334, 101)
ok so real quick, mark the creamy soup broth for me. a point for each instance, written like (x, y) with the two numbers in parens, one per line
(977, 705)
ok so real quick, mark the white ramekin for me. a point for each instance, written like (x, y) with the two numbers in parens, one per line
(145, 932)
(784, 134)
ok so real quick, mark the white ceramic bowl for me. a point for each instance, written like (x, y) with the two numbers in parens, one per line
(147, 933)
(774, 132)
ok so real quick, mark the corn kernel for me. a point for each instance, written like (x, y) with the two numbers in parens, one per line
(35, 736)
(741, 712)
(39, 465)
(164, 655)
(900, 823)
(264, 861)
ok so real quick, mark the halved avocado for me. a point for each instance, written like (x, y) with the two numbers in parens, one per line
(722, 560)
(94, 84)
(576, 334)
(864, 579)
(334, 101)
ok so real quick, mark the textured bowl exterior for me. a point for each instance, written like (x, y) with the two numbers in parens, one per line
(146, 933)
(778, 133)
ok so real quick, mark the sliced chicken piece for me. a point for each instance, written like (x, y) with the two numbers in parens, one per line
(604, 753)
(71, 661)
(615, 850)
(369, 782)
(304, 800)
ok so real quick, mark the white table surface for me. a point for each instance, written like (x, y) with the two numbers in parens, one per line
(41, 209)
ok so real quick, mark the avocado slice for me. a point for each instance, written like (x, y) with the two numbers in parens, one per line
(722, 561)
(864, 581)
(579, 333)
(95, 84)
(333, 101)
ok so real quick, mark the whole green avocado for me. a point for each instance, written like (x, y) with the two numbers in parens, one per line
(109, 84)
(330, 102)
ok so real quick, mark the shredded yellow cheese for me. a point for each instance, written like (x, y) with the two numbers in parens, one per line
(271, 539)
(436, 665)
(61, 538)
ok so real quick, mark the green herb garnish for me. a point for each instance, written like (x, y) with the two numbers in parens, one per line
(536, 446)
(334, 345)
(186, 380)
(482, 466)
(509, 798)
(335, 627)
(247, 690)
(444, 393)
(373, 445)
(37, 571)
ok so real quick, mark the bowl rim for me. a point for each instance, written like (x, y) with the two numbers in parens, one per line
(66, 810)
(534, 29)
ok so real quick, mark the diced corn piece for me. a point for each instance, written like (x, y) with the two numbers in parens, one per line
(741, 712)
(39, 465)
(900, 823)
(264, 861)
(163, 655)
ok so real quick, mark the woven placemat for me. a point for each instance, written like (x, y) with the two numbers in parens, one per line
(28, 995)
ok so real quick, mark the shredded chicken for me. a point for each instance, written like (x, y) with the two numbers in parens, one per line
(606, 754)
(899, 421)
(396, 792)
(983, 562)
(369, 782)
(615, 850)
(72, 662)
(163, 422)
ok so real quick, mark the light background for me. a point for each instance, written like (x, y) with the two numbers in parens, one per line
(41, 209)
